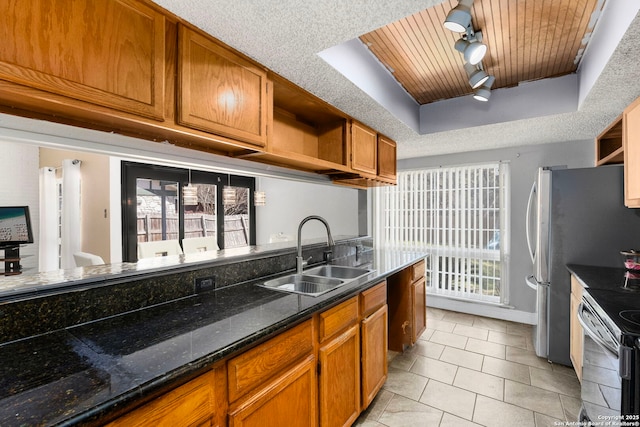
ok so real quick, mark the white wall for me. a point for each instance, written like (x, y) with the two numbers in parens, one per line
(288, 202)
(20, 186)
(95, 189)
(524, 163)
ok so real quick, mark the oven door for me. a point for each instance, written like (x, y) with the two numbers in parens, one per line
(601, 390)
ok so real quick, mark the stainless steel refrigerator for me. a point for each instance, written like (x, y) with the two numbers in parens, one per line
(574, 216)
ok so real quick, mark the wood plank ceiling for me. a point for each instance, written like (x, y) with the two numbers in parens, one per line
(526, 40)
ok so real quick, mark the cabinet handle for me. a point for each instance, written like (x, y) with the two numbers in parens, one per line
(405, 325)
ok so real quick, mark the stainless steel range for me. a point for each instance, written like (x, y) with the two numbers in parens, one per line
(610, 372)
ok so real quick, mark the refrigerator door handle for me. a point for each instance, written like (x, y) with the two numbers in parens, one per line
(532, 283)
(528, 222)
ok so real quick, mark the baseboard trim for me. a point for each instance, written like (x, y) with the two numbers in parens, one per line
(481, 309)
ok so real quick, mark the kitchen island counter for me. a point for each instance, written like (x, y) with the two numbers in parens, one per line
(93, 372)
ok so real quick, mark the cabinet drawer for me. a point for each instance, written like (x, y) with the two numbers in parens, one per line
(254, 367)
(189, 404)
(417, 271)
(338, 318)
(373, 298)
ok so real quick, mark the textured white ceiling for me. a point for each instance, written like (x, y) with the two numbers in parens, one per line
(287, 35)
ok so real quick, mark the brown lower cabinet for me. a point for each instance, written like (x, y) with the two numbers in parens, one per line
(339, 365)
(407, 306)
(200, 402)
(374, 341)
(324, 371)
(289, 400)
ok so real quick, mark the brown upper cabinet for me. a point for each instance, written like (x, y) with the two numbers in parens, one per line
(364, 150)
(220, 92)
(620, 143)
(109, 53)
(631, 139)
(387, 160)
(373, 159)
(131, 67)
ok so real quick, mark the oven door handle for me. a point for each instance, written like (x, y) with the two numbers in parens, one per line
(594, 336)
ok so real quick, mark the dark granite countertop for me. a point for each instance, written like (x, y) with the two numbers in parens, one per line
(91, 373)
(614, 291)
(607, 278)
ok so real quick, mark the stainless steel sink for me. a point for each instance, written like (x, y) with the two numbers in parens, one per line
(303, 284)
(317, 280)
(338, 271)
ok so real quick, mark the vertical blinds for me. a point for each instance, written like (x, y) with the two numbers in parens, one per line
(457, 214)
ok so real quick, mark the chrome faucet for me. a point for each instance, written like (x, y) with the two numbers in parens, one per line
(299, 261)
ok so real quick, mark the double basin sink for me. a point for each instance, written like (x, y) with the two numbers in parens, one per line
(317, 280)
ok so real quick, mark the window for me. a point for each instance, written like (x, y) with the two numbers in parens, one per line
(457, 214)
(154, 209)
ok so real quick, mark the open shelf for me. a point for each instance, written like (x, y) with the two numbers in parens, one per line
(609, 147)
(307, 133)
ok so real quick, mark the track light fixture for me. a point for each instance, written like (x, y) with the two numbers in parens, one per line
(469, 44)
(459, 18)
(483, 93)
(477, 75)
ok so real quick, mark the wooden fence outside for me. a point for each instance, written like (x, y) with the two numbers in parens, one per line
(236, 228)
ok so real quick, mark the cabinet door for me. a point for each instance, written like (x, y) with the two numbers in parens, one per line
(219, 91)
(374, 354)
(419, 309)
(631, 141)
(364, 148)
(107, 52)
(576, 333)
(290, 400)
(340, 379)
(386, 159)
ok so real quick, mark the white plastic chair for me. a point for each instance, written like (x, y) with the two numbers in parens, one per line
(159, 248)
(199, 244)
(84, 259)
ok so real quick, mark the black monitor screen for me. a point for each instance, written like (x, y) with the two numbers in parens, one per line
(15, 225)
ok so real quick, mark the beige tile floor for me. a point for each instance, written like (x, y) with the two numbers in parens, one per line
(473, 371)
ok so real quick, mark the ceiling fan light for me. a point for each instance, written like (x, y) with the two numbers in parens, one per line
(459, 18)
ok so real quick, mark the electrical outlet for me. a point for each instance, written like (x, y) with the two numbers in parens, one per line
(204, 284)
